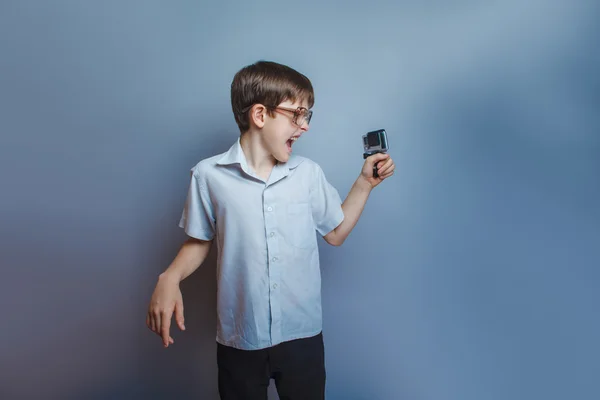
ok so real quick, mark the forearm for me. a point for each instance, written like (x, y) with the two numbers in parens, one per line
(353, 207)
(190, 256)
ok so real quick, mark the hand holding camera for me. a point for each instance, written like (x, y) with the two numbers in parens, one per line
(378, 163)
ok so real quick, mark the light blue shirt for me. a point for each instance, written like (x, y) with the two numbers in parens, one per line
(268, 272)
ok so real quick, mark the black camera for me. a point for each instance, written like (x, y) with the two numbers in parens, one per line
(375, 142)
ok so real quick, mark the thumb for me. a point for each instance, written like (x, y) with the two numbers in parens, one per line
(375, 158)
(179, 315)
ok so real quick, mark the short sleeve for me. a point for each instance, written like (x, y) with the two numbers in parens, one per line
(326, 203)
(197, 218)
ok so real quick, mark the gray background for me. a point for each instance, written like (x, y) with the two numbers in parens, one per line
(473, 273)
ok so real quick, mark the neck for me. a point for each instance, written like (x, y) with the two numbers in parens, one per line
(257, 156)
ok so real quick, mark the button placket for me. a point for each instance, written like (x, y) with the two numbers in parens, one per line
(273, 262)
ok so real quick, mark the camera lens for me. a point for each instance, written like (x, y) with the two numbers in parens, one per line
(373, 139)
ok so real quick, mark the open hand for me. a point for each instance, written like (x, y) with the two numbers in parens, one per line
(166, 300)
(385, 168)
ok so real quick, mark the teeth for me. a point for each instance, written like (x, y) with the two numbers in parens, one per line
(294, 139)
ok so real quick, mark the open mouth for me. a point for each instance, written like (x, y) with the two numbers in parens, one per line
(290, 142)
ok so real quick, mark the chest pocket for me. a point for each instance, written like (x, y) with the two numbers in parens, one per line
(300, 227)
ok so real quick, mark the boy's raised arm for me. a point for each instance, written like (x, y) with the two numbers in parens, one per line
(354, 203)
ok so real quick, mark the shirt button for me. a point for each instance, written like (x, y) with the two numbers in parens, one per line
(269, 208)
(274, 259)
(272, 234)
(274, 286)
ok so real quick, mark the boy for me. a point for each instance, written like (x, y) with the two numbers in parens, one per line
(262, 205)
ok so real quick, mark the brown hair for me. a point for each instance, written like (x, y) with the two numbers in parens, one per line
(269, 84)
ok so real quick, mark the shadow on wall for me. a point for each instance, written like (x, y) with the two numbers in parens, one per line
(186, 369)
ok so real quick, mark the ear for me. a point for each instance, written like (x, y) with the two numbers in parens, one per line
(258, 114)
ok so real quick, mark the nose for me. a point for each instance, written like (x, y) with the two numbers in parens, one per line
(304, 127)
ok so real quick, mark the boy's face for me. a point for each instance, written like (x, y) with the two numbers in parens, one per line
(285, 127)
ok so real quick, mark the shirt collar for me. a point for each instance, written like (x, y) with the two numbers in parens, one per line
(235, 155)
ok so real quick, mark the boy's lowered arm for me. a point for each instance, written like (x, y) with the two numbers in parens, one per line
(167, 298)
(191, 255)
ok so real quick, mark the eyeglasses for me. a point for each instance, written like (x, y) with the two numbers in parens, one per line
(301, 114)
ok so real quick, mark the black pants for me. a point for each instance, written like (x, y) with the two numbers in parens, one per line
(297, 366)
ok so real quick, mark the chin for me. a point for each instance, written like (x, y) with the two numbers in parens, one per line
(282, 154)
(282, 157)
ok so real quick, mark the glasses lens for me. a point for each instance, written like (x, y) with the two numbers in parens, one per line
(303, 115)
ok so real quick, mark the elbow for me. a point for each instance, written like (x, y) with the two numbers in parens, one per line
(337, 244)
(334, 239)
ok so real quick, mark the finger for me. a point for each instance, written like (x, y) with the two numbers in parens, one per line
(165, 326)
(385, 168)
(375, 158)
(149, 321)
(179, 315)
(379, 165)
(388, 168)
(383, 165)
(388, 173)
(156, 325)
